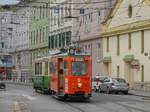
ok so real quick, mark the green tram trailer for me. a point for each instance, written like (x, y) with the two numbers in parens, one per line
(41, 79)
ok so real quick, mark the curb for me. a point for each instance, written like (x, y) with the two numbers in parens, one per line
(139, 95)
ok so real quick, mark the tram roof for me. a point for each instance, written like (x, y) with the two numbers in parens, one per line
(61, 54)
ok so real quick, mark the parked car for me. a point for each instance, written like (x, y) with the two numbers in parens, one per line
(97, 81)
(2, 85)
(114, 85)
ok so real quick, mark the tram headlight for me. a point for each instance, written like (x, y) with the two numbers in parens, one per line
(79, 85)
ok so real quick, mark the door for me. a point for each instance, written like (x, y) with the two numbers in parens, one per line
(129, 74)
(60, 75)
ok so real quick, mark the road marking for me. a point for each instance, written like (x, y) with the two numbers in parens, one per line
(17, 107)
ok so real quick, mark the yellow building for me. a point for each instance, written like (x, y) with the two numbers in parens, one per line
(126, 43)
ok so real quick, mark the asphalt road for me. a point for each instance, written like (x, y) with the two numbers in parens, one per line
(24, 99)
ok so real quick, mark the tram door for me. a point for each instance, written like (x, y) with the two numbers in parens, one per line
(60, 75)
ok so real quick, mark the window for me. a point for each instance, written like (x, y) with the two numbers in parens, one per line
(52, 67)
(107, 46)
(118, 71)
(40, 36)
(40, 11)
(142, 41)
(68, 38)
(49, 43)
(34, 37)
(91, 17)
(130, 11)
(129, 41)
(56, 37)
(142, 73)
(2, 44)
(63, 39)
(46, 9)
(59, 40)
(118, 45)
(34, 15)
(98, 51)
(46, 68)
(66, 67)
(37, 36)
(79, 68)
(43, 11)
(52, 41)
(99, 13)
(43, 39)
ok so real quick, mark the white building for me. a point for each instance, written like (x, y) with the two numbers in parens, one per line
(20, 44)
(5, 31)
(126, 45)
(60, 27)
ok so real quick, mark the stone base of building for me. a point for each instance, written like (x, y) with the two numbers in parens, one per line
(144, 86)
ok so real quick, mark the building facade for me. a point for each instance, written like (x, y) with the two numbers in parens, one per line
(60, 26)
(5, 46)
(20, 44)
(39, 28)
(5, 33)
(88, 28)
(126, 48)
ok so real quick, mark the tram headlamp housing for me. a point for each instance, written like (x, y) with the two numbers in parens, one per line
(79, 85)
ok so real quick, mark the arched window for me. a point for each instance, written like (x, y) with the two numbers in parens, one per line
(130, 11)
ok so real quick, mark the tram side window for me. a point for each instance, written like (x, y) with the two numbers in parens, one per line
(52, 68)
(36, 68)
(79, 68)
(40, 68)
(66, 67)
(46, 68)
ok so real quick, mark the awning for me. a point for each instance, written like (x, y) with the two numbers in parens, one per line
(107, 59)
(129, 58)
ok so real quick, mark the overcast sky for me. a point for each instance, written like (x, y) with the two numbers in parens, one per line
(2, 2)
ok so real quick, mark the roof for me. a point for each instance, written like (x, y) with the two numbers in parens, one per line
(127, 24)
(60, 54)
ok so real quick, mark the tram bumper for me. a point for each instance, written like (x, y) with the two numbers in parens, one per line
(79, 95)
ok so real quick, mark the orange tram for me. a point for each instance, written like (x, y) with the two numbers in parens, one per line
(70, 74)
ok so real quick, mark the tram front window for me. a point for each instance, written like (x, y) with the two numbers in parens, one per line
(79, 68)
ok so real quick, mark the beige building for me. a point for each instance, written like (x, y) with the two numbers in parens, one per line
(126, 38)
(88, 29)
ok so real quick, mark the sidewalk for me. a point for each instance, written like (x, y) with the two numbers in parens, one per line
(139, 93)
(18, 83)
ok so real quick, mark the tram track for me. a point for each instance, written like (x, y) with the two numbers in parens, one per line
(68, 104)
